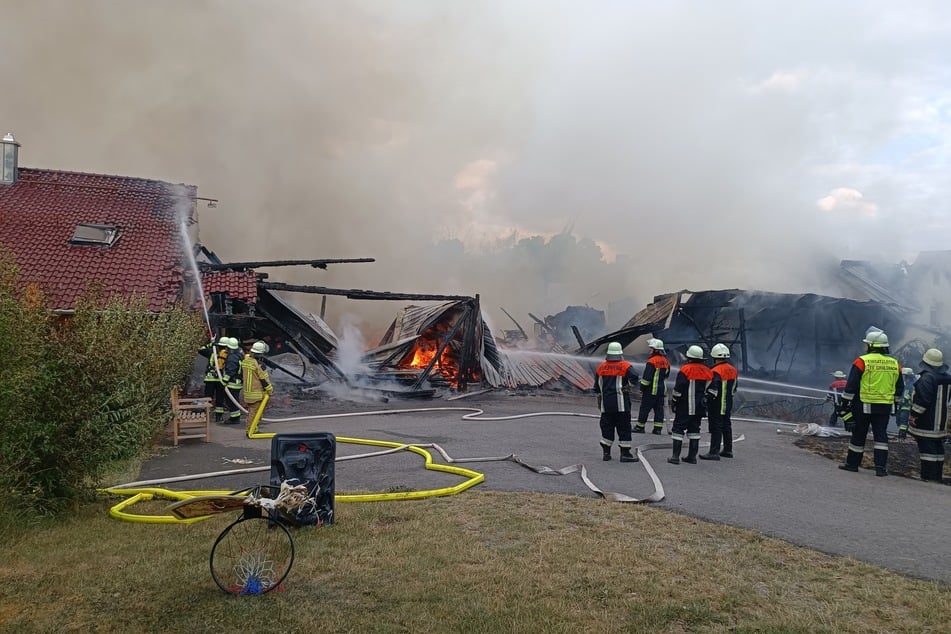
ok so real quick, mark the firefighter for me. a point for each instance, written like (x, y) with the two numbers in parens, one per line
(256, 381)
(928, 421)
(217, 354)
(686, 402)
(656, 371)
(719, 403)
(231, 375)
(904, 407)
(835, 395)
(872, 390)
(613, 382)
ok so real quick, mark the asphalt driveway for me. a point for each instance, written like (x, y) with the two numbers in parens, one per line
(771, 486)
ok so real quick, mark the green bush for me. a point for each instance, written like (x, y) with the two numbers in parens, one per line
(82, 395)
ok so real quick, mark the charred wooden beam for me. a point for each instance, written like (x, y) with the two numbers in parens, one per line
(517, 325)
(354, 293)
(578, 336)
(541, 322)
(241, 266)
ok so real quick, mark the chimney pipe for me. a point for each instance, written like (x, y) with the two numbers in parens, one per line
(8, 160)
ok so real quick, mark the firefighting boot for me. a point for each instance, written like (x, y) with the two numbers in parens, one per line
(675, 458)
(727, 435)
(627, 456)
(658, 428)
(638, 428)
(714, 453)
(606, 450)
(937, 473)
(693, 448)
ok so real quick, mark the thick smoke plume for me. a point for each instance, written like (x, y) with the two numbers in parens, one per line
(541, 154)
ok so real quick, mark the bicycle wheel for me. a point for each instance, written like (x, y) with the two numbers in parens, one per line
(252, 556)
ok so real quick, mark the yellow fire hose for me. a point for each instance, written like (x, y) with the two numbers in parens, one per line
(120, 512)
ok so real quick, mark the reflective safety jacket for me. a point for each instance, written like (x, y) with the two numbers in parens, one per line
(929, 402)
(656, 371)
(876, 379)
(214, 361)
(231, 374)
(256, 380)
(613, 381)
(689, 388)
(721, 389)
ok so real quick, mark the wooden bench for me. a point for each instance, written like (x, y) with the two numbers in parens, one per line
(191, 417)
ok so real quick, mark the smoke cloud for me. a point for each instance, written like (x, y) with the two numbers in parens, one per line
(541, 154)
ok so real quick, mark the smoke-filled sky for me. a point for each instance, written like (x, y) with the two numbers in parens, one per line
(730, 144)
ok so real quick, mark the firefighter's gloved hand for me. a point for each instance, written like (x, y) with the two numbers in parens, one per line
(844, 408)
(269, 389)
(225, 378)
(673, 404)
(913, 421)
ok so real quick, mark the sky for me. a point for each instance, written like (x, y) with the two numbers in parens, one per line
(698, 145)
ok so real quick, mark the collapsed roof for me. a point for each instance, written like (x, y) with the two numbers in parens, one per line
(769, 334)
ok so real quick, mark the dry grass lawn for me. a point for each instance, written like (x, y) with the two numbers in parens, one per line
(476, 562)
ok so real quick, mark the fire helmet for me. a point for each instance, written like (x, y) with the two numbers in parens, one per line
(614, 351)
(695, 352)
(656, 344)
(933, 357)
(223, 341)
(907, 371)
(839, 374)
(259, 347)
(232, 343)
(720, 351)
(868, 334)
(876, 339)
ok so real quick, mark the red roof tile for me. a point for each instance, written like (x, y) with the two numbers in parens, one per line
(237, 284)
(40, 212)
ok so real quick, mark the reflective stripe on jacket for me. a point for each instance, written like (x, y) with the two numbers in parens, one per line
(929, 403)
(255, 379)
(613, 381)
(656, 371)
(689, 388)
(722, 388)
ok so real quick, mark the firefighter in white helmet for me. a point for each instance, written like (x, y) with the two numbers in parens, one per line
(233, 381)
(904, 407)
(256, 381)
(835, 395)
(653, 387)
(217, 354)
(928, 422)
(719, 403)
(686, 402)
(613, 381)
(872, 391)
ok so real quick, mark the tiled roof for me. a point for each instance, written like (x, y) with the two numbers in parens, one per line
(40, 212)
(237, 284)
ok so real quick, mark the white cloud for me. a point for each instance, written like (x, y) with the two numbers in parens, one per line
(847, 200)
